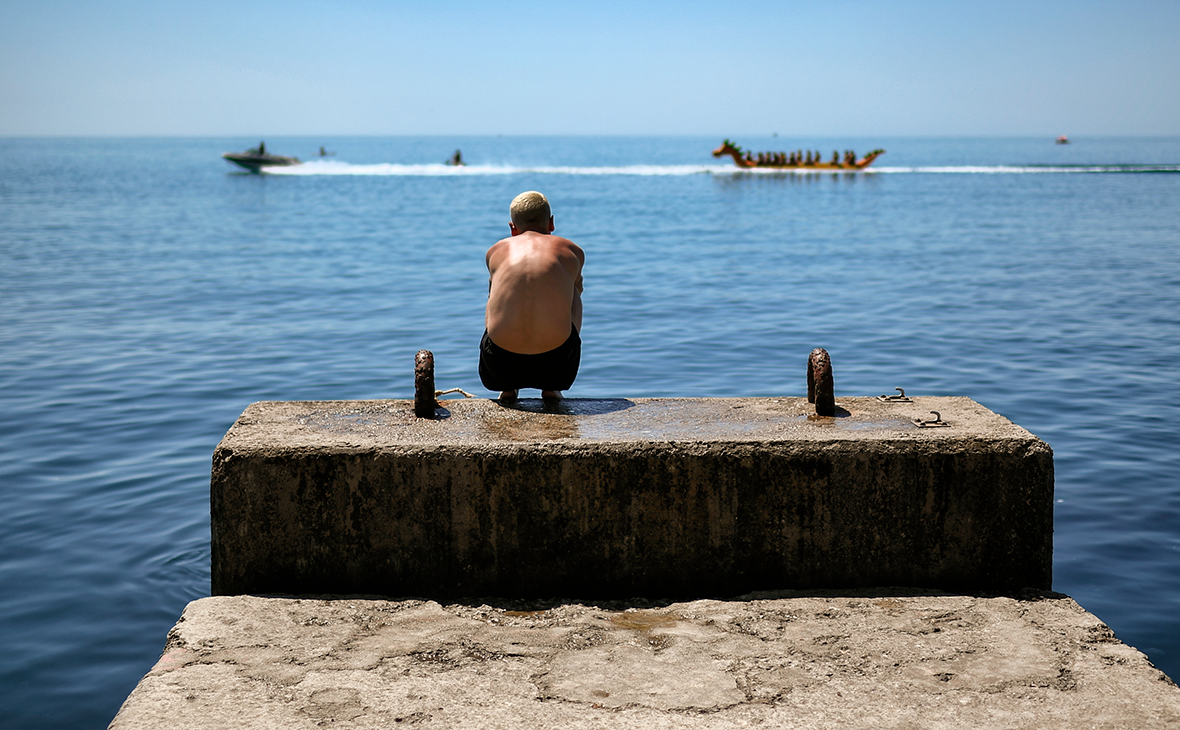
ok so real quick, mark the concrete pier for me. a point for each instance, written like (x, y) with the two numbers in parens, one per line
(686, 498)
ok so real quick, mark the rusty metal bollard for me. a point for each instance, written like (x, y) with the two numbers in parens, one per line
(821, 388)
(424, 402)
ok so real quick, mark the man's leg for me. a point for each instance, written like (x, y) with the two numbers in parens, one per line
(491, 369)
(562, 365)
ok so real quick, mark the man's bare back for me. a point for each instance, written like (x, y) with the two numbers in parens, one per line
(535, 289)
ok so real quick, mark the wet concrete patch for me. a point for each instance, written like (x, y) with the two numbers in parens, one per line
(591, 420)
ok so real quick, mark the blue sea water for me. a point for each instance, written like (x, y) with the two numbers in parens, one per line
(149, 293)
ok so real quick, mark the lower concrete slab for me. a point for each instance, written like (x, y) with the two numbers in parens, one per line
(888, 658)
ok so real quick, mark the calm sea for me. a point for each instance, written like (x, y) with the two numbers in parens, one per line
(149, 293)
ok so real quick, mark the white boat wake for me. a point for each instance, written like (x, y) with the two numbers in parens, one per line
(336, 167)
(318, 167)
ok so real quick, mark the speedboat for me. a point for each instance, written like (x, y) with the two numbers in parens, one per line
(257, 158)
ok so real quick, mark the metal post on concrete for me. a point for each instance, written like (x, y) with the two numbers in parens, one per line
(820, 385)
(424, 401)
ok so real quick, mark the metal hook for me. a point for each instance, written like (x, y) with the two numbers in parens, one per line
(936, 423)
(896, 398)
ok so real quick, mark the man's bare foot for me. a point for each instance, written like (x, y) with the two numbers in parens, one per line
(551, 394)
(508, 395)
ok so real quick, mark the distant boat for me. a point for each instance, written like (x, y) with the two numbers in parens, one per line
(257, 158)
(325, 153)
(795, 160)
(1063, 139)
(457, 160)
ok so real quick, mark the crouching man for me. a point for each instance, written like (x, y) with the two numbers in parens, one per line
(534, 311)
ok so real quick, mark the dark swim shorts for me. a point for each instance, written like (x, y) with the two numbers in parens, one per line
(502, 370)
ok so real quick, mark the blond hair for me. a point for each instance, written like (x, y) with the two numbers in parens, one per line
(529, 210)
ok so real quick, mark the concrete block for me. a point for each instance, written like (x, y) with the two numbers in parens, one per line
(686, 498)
(819, 660)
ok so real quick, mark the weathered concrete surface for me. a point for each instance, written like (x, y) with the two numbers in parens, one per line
(879, 659)
(687, 498)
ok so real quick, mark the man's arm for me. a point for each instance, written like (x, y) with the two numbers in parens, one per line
(576, 306)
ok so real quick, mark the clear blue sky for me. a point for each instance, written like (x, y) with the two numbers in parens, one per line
(834, 67)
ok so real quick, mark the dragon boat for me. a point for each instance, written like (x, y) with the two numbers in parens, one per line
(799, 160)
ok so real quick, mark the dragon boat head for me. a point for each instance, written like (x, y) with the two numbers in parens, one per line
(727, 148)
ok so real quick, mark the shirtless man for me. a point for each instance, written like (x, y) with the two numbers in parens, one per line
(534, 310)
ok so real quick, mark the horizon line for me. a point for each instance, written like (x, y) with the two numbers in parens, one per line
(759, 135)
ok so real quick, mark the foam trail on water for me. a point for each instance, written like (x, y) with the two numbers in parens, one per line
(317, 167)
(335, 167)
(1026, 169)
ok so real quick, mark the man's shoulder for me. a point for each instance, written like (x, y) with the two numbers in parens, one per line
(577, 251)
(500, 245)
(565, 243)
